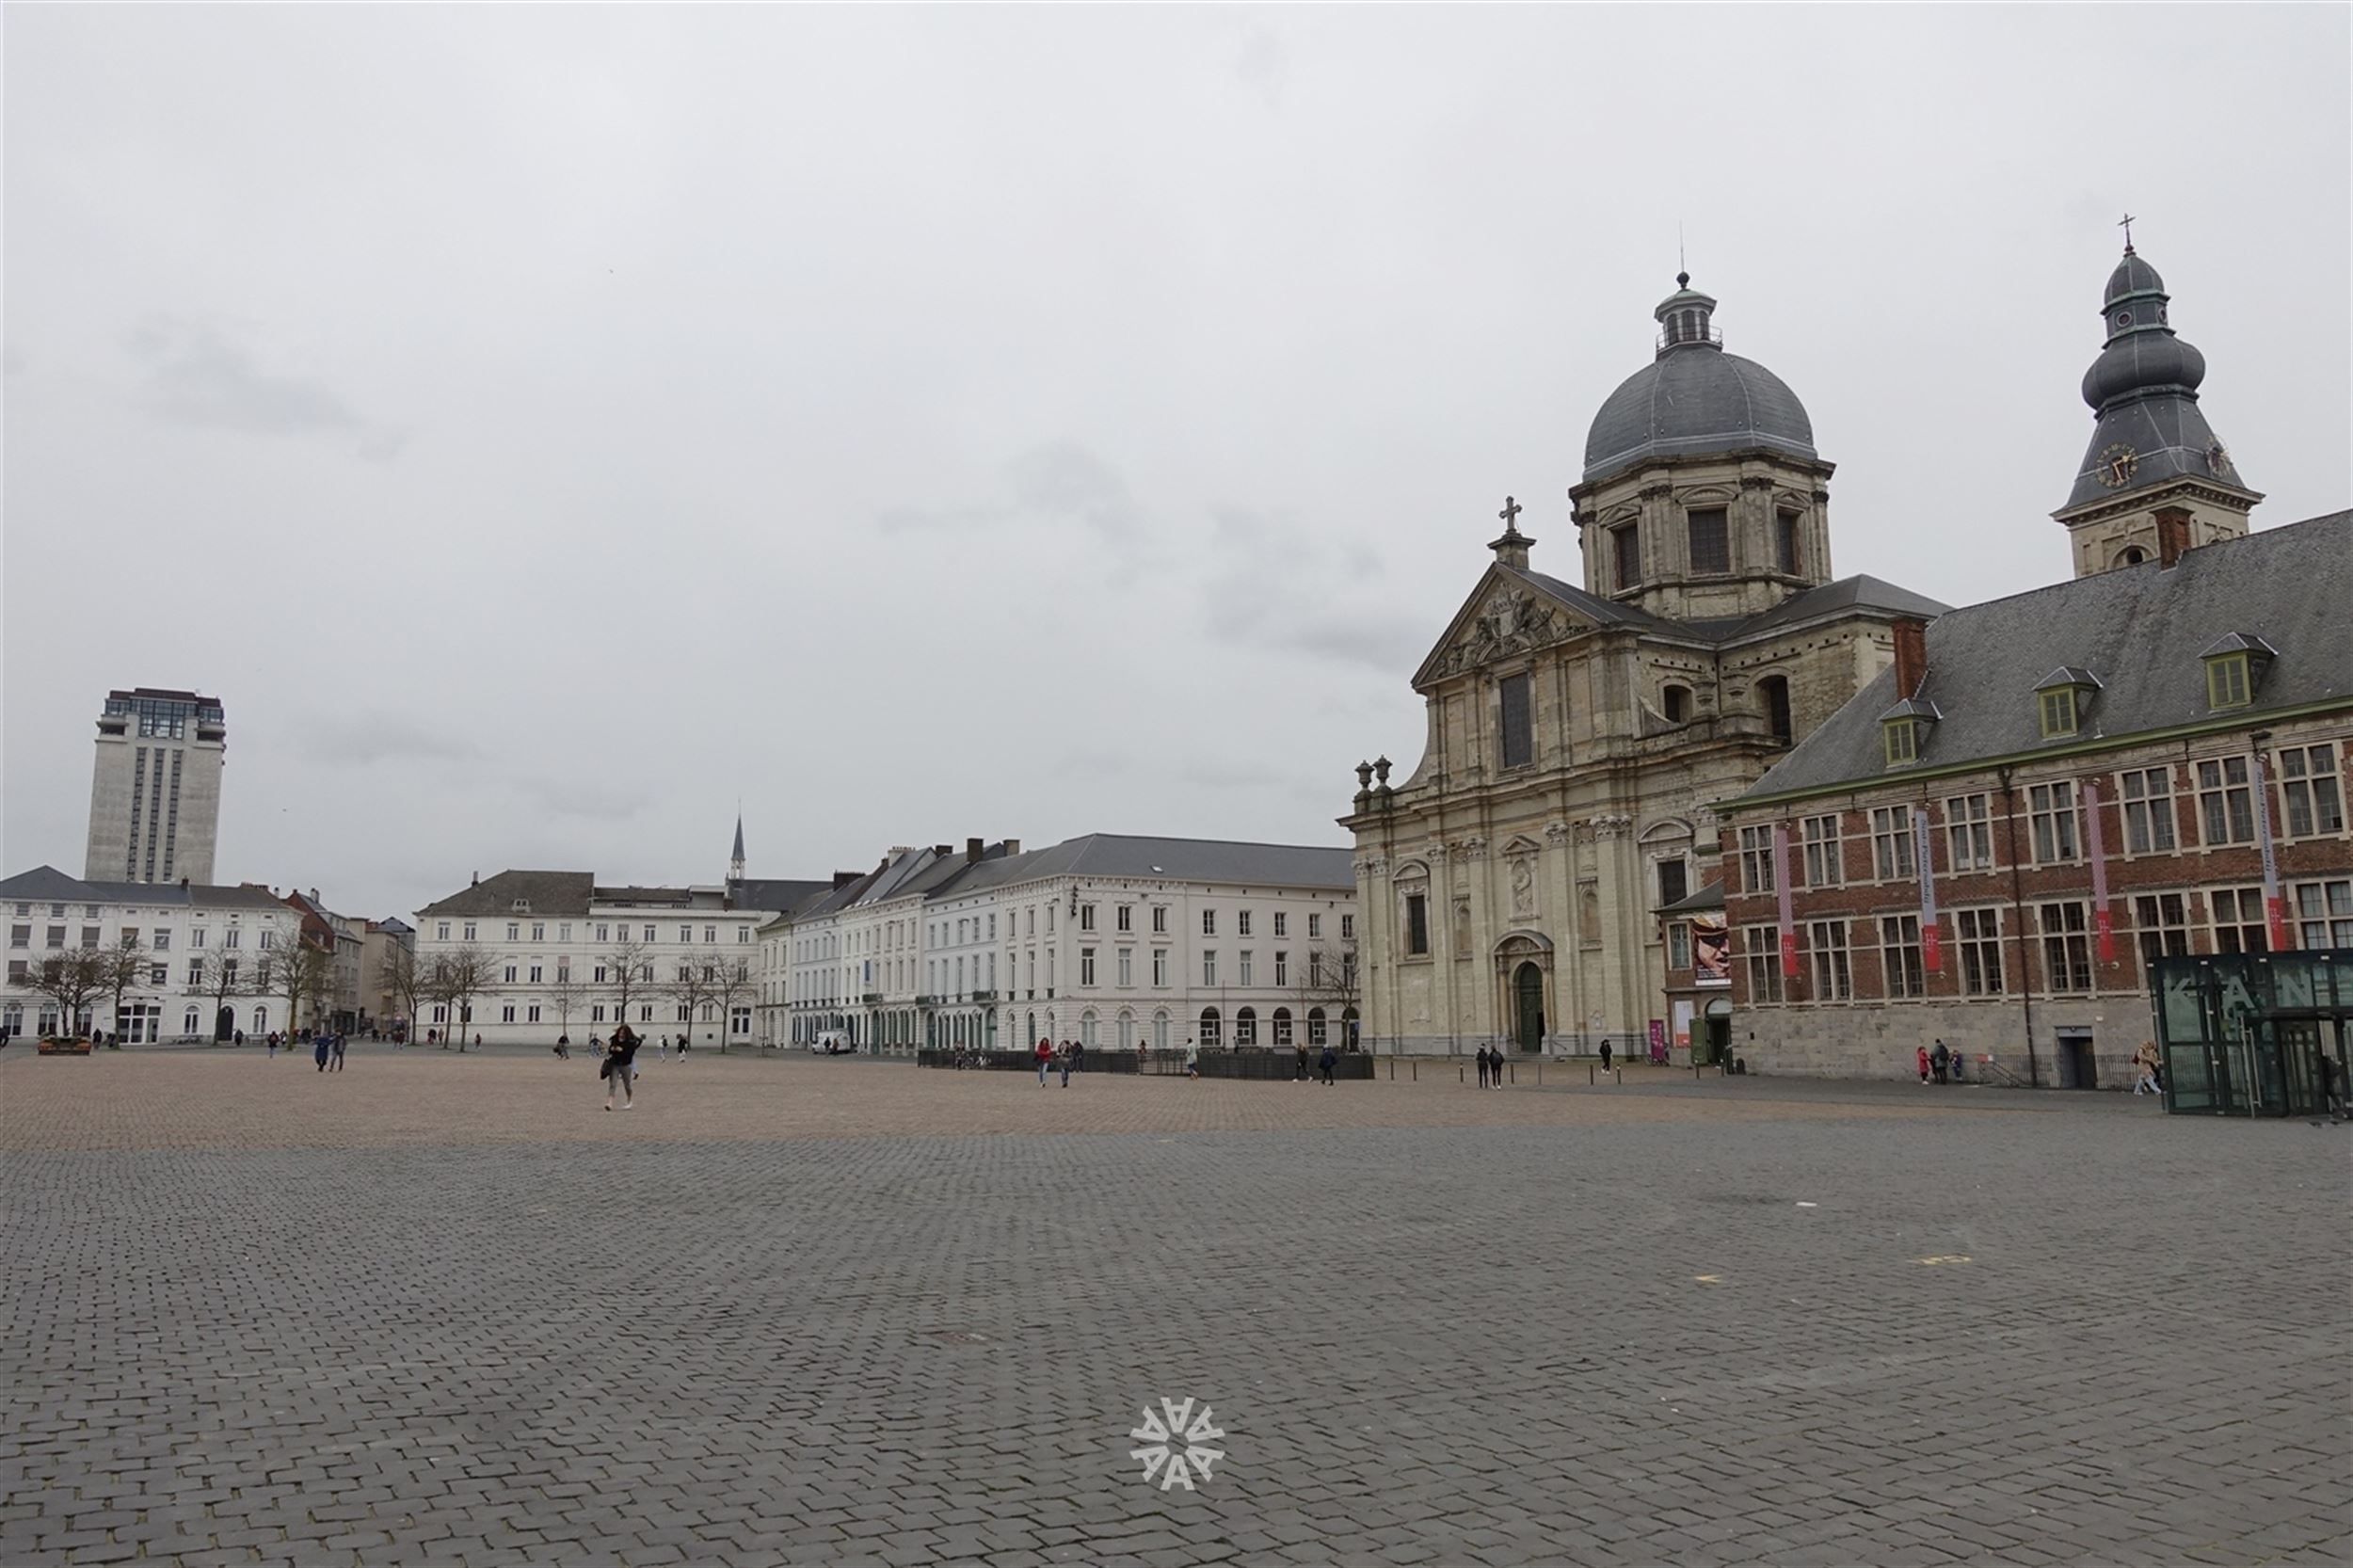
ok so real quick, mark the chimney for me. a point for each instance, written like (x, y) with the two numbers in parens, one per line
(942, 852)
(477, 880)
(1912, 655)
(2173, 534)
(972, 850)
(1013, 846)
(842, 879)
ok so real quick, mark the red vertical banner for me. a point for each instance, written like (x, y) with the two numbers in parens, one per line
(2100, 921)
(1931, 940)
(1788, 919)
(2275, 903)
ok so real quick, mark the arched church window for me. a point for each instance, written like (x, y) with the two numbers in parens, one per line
(1786, 542)
(1676, 700)
(1625, 546)
(1774, 691)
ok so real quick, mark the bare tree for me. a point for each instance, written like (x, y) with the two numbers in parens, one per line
(410, 983)
(626, 974)
(459, 974)
(125, 962)
(732, 979)
(219, 978)
(74, 980)
(296, 971)
(565, 994)
(693, 987)
(1328, 979)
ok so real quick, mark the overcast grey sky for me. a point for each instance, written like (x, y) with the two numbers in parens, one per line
(541, 426)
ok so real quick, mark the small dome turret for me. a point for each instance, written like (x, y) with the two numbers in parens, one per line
(1693, 399)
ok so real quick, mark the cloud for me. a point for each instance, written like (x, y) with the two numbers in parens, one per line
(1253, 595)
(1263, 63)
(370, 740)
(195, 375)
(1058, 482)
(585, 798)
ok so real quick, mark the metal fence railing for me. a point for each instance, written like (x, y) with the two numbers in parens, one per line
(1267, 1063)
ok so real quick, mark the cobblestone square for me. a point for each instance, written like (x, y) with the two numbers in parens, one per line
(445, 1309)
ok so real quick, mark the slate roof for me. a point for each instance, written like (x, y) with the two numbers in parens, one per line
(1172, 860)
(50, 884)
(1696, 400)
(2140, 629)
(1848, 594)
(780, 895)
(1710, 895)
(548, 892)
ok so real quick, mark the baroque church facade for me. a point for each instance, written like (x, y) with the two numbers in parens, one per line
(1577, 733)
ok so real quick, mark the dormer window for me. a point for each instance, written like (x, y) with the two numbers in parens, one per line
(522, 906)
(1904, 730)
(2061, 697)
(2235, 666)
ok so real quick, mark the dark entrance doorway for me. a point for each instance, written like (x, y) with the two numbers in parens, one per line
(2076, 1069)
(1717, 1034)
(224, 1023)
(1527, 1007)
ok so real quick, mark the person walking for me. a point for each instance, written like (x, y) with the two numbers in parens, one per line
(318, 1052)
(1075, 1063)
(1938, 1059)
(1045, 1060)
(1299, 1075)
(1922, 1056)
(2145, 1068)
(620, 1067)
(335, 1043)
(273, 1045)
(1331, 1058)
(1193, 1060)
(1482, 1067)
(664, 1053)
(1605, 1056)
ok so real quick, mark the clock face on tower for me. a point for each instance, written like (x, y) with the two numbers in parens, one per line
(2117, 466)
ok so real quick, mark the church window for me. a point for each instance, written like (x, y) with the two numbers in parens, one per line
(1711, 541)
(1518, 744)
(1774, 689)
(1417, 924)
(1626, 544)
(1675, 882)
(1677, 701)
(1785, 538)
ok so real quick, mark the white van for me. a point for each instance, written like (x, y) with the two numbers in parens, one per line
(833, 1042)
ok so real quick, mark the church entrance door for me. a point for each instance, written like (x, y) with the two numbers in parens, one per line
(1527, 1007)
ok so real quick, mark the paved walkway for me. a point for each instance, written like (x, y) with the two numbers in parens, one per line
(446, 1310)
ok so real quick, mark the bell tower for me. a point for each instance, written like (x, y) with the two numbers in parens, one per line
(2155, 479)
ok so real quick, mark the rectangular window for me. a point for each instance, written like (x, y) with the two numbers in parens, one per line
(1209, 966)
(534, 974)
(469, 931)
(57, 938)
(1245, 977)
(2066, 946)
(159, 974)
(163, 941)
(2162, 923)
(595, 1013)
(1086, 916)
(1159, 919)
(514, 934)
(1626, 548)
(1417, 924)
(2324, 913)
(1969, 833)
(1208, 922)
(2239, 919)
(507, 1014)
(20, 935)
(1711, 542)
(2308, 789)
(1890, 842)
(1899, 955)
(1241, 923)
(1757, 859)
(1315, 928)
(564, 932)
(1824, 864)
(1980, 932)
(1786, 539)
(1678, 945)
(1675, 882)
(1282, 923)
(2148, 797)
(2051, 815)
(1282, 968)
(603, 932)
(1160, 966)
(1348, 928)
(2059, 712)
(2226, 804)
(2226, 681)
(1127, 966)
(1901, 738)
(1519, 744)
(1086, 966)
(1124, 917)
(1827, 951)
(531, 1015)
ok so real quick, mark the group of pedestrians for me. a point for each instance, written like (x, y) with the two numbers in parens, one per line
(1938, 1064)
(1071, 1055)
(1324, 1064)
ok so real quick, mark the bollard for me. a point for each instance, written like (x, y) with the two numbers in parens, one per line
(1621, 1078)
(1458, 1075)
(1413, 1068)
(1540, 1075)
(1513, 1069)
(1392, 1069)
(1589, 1074)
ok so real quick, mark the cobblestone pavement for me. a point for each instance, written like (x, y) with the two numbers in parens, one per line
(791, 1311)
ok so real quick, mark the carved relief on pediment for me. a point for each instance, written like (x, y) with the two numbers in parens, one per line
(1511, 621)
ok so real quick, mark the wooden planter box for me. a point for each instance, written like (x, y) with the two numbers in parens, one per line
(64, 1048)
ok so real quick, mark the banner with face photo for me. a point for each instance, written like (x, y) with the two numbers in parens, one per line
(1711, 951)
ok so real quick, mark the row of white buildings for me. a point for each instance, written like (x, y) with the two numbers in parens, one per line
(1113, 940)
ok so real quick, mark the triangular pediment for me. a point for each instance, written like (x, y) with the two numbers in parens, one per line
(1508, 615)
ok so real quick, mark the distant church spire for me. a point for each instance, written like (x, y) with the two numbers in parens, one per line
(735, 862)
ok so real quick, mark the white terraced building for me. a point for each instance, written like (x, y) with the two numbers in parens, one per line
(1113, 940)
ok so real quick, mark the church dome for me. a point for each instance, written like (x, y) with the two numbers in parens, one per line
(1694, 399)
(2133, 275)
